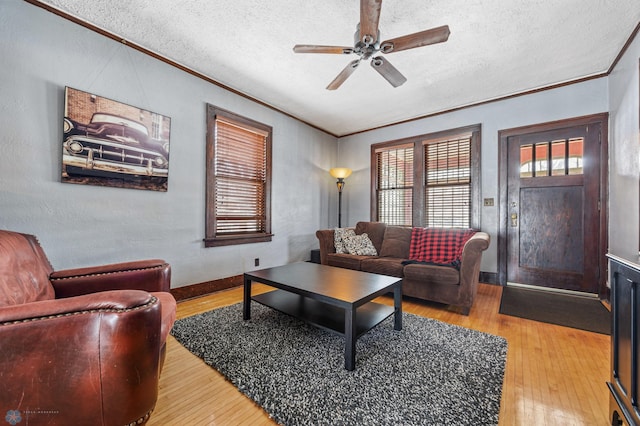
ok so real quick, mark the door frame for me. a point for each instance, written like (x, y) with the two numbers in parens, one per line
(503, 138)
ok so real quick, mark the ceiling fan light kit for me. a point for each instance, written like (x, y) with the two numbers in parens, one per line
(367, 44)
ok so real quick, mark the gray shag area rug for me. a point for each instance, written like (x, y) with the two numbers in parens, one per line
(429, 373)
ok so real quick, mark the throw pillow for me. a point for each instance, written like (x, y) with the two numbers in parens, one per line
(438, 245)
(359, 244)
(396, 242)
(338, 238)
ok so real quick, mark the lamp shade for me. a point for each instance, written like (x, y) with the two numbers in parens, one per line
(340, 172)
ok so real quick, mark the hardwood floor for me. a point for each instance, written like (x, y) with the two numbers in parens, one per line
(554, 376)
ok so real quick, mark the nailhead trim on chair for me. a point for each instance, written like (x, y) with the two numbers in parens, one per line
(110, 273)
(153, 301)
(40, 245)
(141, 420)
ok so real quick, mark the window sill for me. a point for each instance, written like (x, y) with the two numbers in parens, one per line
(237, 239)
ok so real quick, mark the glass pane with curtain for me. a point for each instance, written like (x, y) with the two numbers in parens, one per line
(558, 158)
(576, 155)
(542, 159)
(526, 161)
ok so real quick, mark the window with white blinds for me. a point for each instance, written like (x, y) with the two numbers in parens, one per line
(447, 183)
(394, 186)
(238, 179)
(446, 191)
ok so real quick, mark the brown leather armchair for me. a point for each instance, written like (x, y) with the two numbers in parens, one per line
(81, 346)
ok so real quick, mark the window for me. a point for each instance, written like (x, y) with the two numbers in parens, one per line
(429, 180)
(238, 191)
(395, 184)
(447, 183)
(566, 158)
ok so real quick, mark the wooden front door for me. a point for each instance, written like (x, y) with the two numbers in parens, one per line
(553, 207)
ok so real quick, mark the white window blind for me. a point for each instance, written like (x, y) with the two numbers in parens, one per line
(240, 178)
(395, 185)
(430, 180)
(448, 183)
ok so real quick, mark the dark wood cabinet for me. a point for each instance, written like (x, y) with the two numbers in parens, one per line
(624, 277)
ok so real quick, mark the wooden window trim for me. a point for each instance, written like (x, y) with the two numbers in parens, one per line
(418, 169)
(211, 239)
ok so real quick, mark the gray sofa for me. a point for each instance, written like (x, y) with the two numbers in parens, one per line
(442, 284)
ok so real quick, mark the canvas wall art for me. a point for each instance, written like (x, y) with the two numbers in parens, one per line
(108, 143)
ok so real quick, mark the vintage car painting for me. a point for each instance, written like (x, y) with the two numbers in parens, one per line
(114, 150)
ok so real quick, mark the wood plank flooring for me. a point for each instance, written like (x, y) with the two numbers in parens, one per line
(555, 375)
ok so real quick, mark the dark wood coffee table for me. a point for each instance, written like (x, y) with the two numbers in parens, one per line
(334, 299)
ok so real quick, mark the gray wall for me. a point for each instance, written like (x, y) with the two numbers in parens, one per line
(81, 225)
(570, 101)
(624, 155)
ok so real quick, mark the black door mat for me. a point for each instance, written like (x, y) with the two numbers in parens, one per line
(583, 313)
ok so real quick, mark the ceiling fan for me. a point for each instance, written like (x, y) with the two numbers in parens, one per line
(367, 44)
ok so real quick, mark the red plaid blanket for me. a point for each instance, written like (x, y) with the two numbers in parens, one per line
(438, 245)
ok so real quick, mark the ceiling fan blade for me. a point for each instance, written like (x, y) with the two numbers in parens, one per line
(312, 48)
(422, 38)
(344, 74)
(388, 71)
(369, 18)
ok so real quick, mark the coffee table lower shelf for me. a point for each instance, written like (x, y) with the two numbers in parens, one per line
(324, 315)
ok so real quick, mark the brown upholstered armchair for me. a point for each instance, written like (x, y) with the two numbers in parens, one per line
(82, 346)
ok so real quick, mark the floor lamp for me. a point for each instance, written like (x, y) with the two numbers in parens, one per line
(340, 173)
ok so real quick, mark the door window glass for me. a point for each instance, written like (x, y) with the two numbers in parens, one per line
(565, 157)
(576, 153)
(542, 159)
(558, 158)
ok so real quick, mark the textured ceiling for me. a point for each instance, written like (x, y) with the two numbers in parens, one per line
(496, 48)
